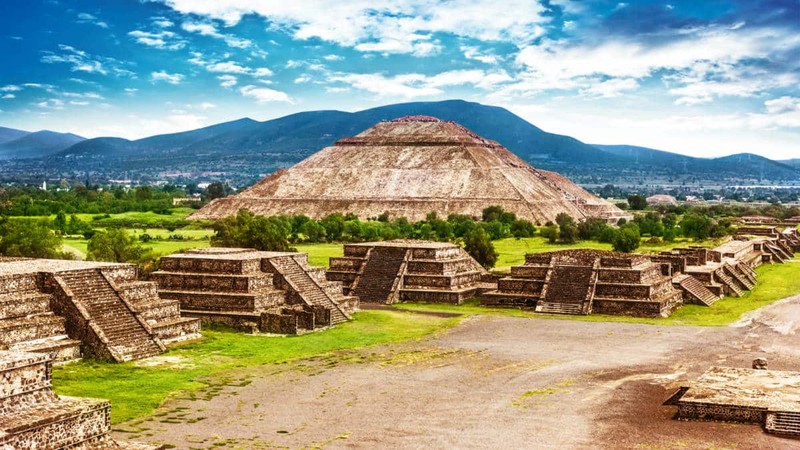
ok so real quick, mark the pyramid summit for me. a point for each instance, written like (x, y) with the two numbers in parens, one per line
(409, 167)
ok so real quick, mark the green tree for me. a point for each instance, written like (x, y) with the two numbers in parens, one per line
(696, 226)
(216, 190)
(60, 222)
(29, 238)
(522, 228)
(628, 239)
(637, 202)
(478, 244)
(567, 230)
(116, 245)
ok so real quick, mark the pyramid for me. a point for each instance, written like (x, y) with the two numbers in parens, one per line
(410, 167)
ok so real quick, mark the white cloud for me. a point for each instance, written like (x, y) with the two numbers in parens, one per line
(333, 57)
(264, 95)
(385, 26)
(171, 78)
(305, 78)
(10, 88)
(227, 81)
(419, 85)
(208, 29)
(475, 54)
(8, 96)
(131, 91)
(262, 72)
(52, 103)
(88, 18)
(206, 106)
(162, 22)
(81, 61)
(227, 67)
(163, 40)
(79, 102)
(610, 88)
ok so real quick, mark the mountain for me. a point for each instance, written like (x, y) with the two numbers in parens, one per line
(9, 134)
(36, 145)
(742, 165)
(245, 150)
(792, 162)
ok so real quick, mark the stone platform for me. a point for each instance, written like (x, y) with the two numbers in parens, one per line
(32, 416)
(586, 281)
(68, 308)
(767, 397)
(271, 292)
(407, 271)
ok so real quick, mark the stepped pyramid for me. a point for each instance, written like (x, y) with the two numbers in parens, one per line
(274, 292)
(32, 416)
(69, 308)
(410, 167)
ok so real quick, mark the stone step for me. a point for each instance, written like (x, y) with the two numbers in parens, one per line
(783, 422)
(559, 308)
(13, 331)
(61, 348)
(55, 425)
(728, 282)
(177, 329)
(23, 304)
(697, 290)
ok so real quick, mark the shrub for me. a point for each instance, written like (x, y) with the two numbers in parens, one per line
(478, 244)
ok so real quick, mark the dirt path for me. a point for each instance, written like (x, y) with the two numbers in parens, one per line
(492, 382)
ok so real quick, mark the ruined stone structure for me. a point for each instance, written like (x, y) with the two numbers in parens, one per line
(32, 416)
(407, 270)
(66, 308)
(409, 167)
(588, 281)
(770, 398)
(271, 292)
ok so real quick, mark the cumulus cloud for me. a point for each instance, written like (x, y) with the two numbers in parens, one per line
(227, 81)
(88, 18)
(171, 78)
(81, 61)
(208, 29)
(385, 26)
(264, 95)
(419, 85)
(162, 40)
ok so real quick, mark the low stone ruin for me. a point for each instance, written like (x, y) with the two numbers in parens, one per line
(770, 398)
(32, 416)
(269, 292)
(69, 308)
(407, 271)
(585, 282)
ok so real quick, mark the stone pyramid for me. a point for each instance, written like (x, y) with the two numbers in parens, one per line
(410, 167)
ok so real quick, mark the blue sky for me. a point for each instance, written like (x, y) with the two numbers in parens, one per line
(702, 78)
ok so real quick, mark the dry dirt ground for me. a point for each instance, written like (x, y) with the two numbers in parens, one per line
(492, 382)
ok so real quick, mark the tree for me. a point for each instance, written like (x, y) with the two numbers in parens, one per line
(550, 232)
(116, 245)
(637, 202)
(567, 230)
(478, 244)
(592, 228)
(246, 230)
(60, 222)
(628, 239)
(216, 190)
(29, 238)
(696, 226)
(521, 228)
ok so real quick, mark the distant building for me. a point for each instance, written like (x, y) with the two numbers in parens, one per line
(194, 198)
(662, 199)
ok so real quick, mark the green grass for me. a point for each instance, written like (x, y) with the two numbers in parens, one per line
(320, 254)
(136, 390)
(775, 282)
(159, 247)
(512, 251)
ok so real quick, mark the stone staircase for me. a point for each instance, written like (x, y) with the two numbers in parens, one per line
(696, 290)
(568, 290)
(32, 416)
(739, 277)
(777, 252)
(28, 324)
(783, 422)
(308, 289)
(728, 282)
(124, 335)
(379, 274)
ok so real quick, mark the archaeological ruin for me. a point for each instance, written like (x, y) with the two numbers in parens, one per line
(32, 416)
(770, 398)
(586, 281)
(409, 167)
(71, 308)
(268, 292)
(407, 271)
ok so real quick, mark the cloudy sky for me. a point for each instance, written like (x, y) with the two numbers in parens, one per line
(698, 77)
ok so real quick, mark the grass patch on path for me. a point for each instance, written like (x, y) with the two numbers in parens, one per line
(136, 390)
(775, 282)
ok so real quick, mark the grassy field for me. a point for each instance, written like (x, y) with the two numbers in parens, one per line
(320, 254)
(775, 282)
(159, 247)
(136, 390)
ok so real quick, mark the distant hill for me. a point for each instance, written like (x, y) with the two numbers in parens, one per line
(242, 151)
(9, 134)
(741, 164)
(37, 145)
(792, 162)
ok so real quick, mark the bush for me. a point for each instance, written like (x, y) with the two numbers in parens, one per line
(522, 229)
(627, 239)
(116, 245)
(478, 244)
(30, 238)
